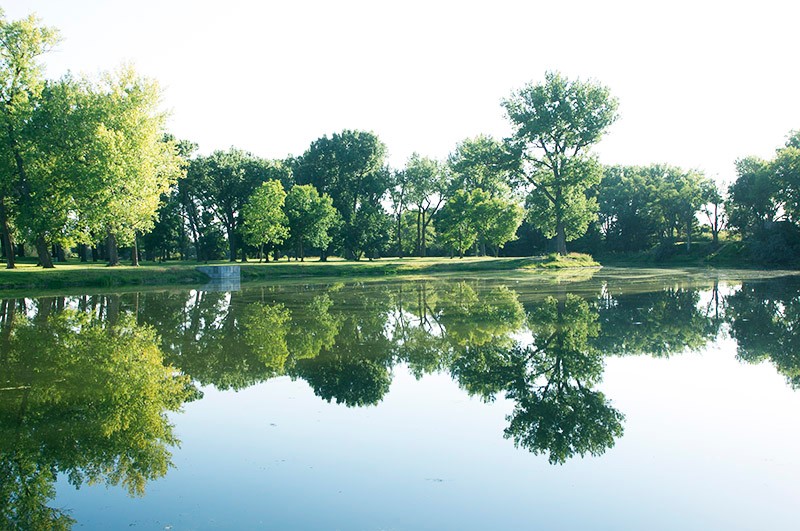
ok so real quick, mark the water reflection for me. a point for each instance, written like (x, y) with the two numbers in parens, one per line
(81, 396)
(87, 381)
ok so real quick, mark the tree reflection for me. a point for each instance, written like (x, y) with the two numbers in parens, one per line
(85, 374)
(551, 380)
(764, 319)
(81, 397)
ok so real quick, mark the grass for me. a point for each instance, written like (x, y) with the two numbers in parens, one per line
(96, 275)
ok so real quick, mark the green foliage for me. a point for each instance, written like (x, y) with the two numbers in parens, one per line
(265, 222)
(311, 217)
(485, 163)
(470, 216)
(555, 124)
(643, 206)
(427, 183)
(456, 222)
(349, 167)
(84, 398)
(222, 183)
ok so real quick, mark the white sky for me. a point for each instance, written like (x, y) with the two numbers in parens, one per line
(699, 83)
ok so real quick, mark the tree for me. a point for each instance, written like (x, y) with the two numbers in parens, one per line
(555, 124)
(456, 222)
(714, 209)
(398, 194)
(428, 185)
(136, 163)
(753, 197)
(265, 222)
(349, 167)
(224, 181)
(311, 218)
(496, 219)
(485, 163)
(21, 84)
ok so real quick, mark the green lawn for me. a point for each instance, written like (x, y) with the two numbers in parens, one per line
(76, 274)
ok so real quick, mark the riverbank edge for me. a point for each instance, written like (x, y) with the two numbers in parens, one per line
(76, 275)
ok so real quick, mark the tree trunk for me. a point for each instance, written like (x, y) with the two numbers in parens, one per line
(688, 236)
(8, 240)
(400, 235)
(135, 252)
(231, 244)
(419, 232)
(561, 239)
(715, 227)
(95, 253)
(112, 253)
(323, 255)
(60, 254)
(423, 242)
(45, 260)
(83, 249)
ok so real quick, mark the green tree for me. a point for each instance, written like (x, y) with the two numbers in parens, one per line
(485, 163)
(138, 164)
(265, 222)
(22, 42)
(83, 398)
(496, 219)
(428, 184)
(224, 181)
(311, 218)
(457, 222)
(555, 124)
(753, 198)
(349, 167)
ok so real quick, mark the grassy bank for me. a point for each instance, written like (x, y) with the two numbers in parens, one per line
(95, 275)
(731, 254)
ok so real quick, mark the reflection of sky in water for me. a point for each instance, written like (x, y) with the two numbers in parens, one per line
(708, 437)
(709, 444)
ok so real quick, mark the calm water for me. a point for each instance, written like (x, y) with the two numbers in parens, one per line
(627, 399)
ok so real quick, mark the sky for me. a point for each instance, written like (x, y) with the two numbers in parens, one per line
(699, 83)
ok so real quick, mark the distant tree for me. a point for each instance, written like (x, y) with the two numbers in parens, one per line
(311, 218)
(398, 195)
(555, 124)
(497, 220)
(428, 185)
(22, 42)
(714, 209)
(753, 198)
(265, 222)
(485, 163)
(457, 222)
(628, 215)
(349, 167)
(369, 232)
(224, 181)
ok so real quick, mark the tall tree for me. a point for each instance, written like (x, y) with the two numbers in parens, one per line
(311, 218)
(265, 222)
(428, 188)
(224, 181)
(138, 164)
(555, 124)
(22, 42)
(753, 197)
(349, 167)
(483, 162)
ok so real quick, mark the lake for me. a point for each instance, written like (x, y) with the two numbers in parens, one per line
(621, 399)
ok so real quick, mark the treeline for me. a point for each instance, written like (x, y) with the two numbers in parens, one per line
(86, 166)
